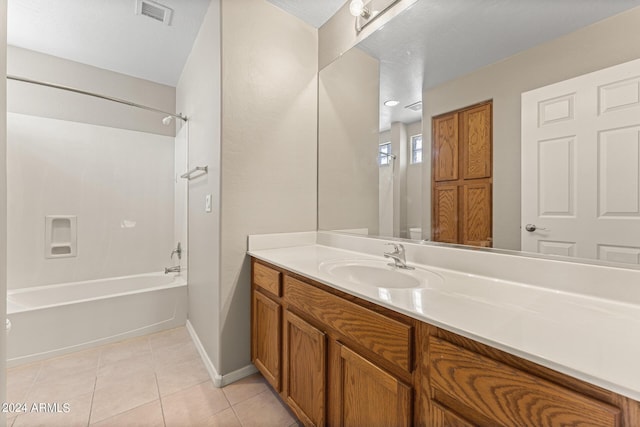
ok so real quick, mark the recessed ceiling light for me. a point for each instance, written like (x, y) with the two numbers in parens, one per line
(391, 103)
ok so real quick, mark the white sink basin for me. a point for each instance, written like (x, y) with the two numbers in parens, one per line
(380, 275)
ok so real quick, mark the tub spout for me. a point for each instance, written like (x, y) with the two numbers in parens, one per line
(175, 269)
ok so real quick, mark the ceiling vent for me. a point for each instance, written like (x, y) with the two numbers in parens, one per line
(416, 106)
(154, 11)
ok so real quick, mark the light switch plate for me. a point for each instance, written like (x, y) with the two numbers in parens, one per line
(207, 203)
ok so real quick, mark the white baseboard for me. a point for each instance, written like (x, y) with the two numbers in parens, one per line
(218, 380)
(238, 374)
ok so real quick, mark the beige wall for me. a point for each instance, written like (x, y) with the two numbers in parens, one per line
(58, 104)
(399, 148)
(414, 181)
(348, 181)
(198, 96)
(385, 192)
(269, 125)
(405, 211)
(3, 205)
(600, 45)
(339, 34)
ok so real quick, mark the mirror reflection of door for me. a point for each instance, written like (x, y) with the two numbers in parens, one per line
(581, 167)
(462, 176)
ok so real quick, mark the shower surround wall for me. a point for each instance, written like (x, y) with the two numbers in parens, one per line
(118, 183)
(110, 165)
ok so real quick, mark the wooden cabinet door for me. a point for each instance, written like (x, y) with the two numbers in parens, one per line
(305, 361)
(368, 395)
(442, 417)
(266, 340)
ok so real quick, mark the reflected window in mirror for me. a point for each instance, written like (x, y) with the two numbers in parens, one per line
(384, 157)
(416, 149)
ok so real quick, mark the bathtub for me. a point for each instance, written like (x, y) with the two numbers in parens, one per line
(52, 320)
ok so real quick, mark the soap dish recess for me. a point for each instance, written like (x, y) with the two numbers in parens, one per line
(60, 236)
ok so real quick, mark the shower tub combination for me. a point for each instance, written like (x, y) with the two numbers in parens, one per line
(51, 320)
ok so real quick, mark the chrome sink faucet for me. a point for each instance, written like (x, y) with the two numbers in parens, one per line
(398, 257)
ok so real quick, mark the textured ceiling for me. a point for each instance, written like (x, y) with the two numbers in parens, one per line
(313, 12)
(433, 41)
(108, 34)
(439, 40)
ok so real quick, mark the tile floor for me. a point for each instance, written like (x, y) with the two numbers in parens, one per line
(155, 380)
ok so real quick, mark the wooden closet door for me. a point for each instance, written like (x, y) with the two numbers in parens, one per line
(475, 138)
(462, 176)
(476, 217)
(445, 199)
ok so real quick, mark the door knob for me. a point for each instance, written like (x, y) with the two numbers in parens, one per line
(532, 227)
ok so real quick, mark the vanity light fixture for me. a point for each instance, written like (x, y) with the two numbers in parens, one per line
(356, 7)
(367, 11)
(391, 103)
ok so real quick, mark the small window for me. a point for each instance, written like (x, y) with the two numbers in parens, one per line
(416, 149)
(384, 156)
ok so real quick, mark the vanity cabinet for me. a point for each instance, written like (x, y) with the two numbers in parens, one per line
(369, 359)
(343, 361)
(266, 323)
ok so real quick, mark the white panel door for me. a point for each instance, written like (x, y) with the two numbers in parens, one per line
(581, 166)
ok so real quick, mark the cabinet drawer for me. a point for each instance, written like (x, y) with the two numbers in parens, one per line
(382, 335)
(509, 396)
(267, 278)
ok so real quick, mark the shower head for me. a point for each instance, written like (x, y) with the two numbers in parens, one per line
(167, 120)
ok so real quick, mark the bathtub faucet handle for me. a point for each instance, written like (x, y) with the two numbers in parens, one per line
(175, 269)
(177, 250)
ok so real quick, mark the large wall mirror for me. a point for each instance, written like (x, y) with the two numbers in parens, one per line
(436, 95)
